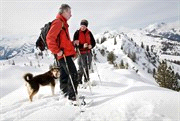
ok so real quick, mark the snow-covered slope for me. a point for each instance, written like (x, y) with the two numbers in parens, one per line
(162, 39)
(118, 95)
(121, 96)
(125, 47)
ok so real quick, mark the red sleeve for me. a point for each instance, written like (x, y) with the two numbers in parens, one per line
(51, 38)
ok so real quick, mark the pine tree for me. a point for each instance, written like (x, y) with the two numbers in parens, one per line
(115, 42)
(142, 45)
(121, 47)
(122, 64)
(102, 52)
(97, 41)
(13, 63)
(154, 72)
(95, 56)
(127, 66)
(177, 75)
(30, 63)
(111, 57)
(165, 77)
(36, 56)
(103, 39)
(152, 48)
(134, 57)
(147, 48)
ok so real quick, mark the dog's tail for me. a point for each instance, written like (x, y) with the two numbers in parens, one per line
(27, 77)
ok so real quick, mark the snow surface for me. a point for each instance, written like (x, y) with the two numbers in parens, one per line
(118, 95)
(123, 95)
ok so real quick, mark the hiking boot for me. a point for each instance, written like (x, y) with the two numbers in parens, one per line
(63, 95)
(72, 101)
(80, 82)
(72, 98)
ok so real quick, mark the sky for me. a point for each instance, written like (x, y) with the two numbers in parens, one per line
(25, 17)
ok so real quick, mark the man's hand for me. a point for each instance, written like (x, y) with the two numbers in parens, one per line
(85, 45)
(76, 42)
(60, 53)
(89, 46)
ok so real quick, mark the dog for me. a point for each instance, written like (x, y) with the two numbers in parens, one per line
(34, 82)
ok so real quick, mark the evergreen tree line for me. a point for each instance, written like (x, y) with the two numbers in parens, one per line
(103, 39)
(174, 61)
(166, 77)
(111, 57)
(132, 55)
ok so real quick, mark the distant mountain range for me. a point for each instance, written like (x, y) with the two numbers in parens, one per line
(11, 47)
(159, 33)
(162, 30)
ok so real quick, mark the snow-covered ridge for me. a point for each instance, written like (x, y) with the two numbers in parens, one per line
(125, 45)
(124, 48)
(11, 47)
(120, 95)
(170, 31)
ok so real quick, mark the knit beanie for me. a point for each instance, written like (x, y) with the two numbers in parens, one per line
(84, 22)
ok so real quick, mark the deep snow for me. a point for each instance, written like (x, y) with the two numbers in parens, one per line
(123, 95)
(120, 95)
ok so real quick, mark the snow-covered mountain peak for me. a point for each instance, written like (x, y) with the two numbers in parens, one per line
(153, 27)
(169, 31)
(12, 46)
(107, 34)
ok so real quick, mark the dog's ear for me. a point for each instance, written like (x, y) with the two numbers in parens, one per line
(54, 69)
(51, 67)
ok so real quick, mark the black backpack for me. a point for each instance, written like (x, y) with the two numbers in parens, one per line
(41, 41)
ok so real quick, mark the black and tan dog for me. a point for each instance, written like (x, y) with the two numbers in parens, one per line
(34, 82)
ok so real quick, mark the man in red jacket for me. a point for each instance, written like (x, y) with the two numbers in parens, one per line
(86, 43)
(59, 43)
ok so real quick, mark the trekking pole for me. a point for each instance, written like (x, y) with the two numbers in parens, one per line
(88, 66)
(87, 60)
(57, 62)
(69, 74)
(84, 68)
(77, 98)
(97, 70)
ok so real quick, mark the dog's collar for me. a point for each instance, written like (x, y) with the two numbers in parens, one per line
(55, 77)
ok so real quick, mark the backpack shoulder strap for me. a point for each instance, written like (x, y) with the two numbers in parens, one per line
(62, 24)
(61, 21)
(63, 27)
(77, 34)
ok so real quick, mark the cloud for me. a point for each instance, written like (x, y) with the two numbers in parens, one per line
(144, 13)
(27, 17)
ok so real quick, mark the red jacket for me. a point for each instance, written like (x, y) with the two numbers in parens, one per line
(53, 40)
(84, 38)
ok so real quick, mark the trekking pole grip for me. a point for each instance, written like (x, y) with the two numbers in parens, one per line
(77, 46)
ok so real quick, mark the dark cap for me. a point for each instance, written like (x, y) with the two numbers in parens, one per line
(84, 22)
